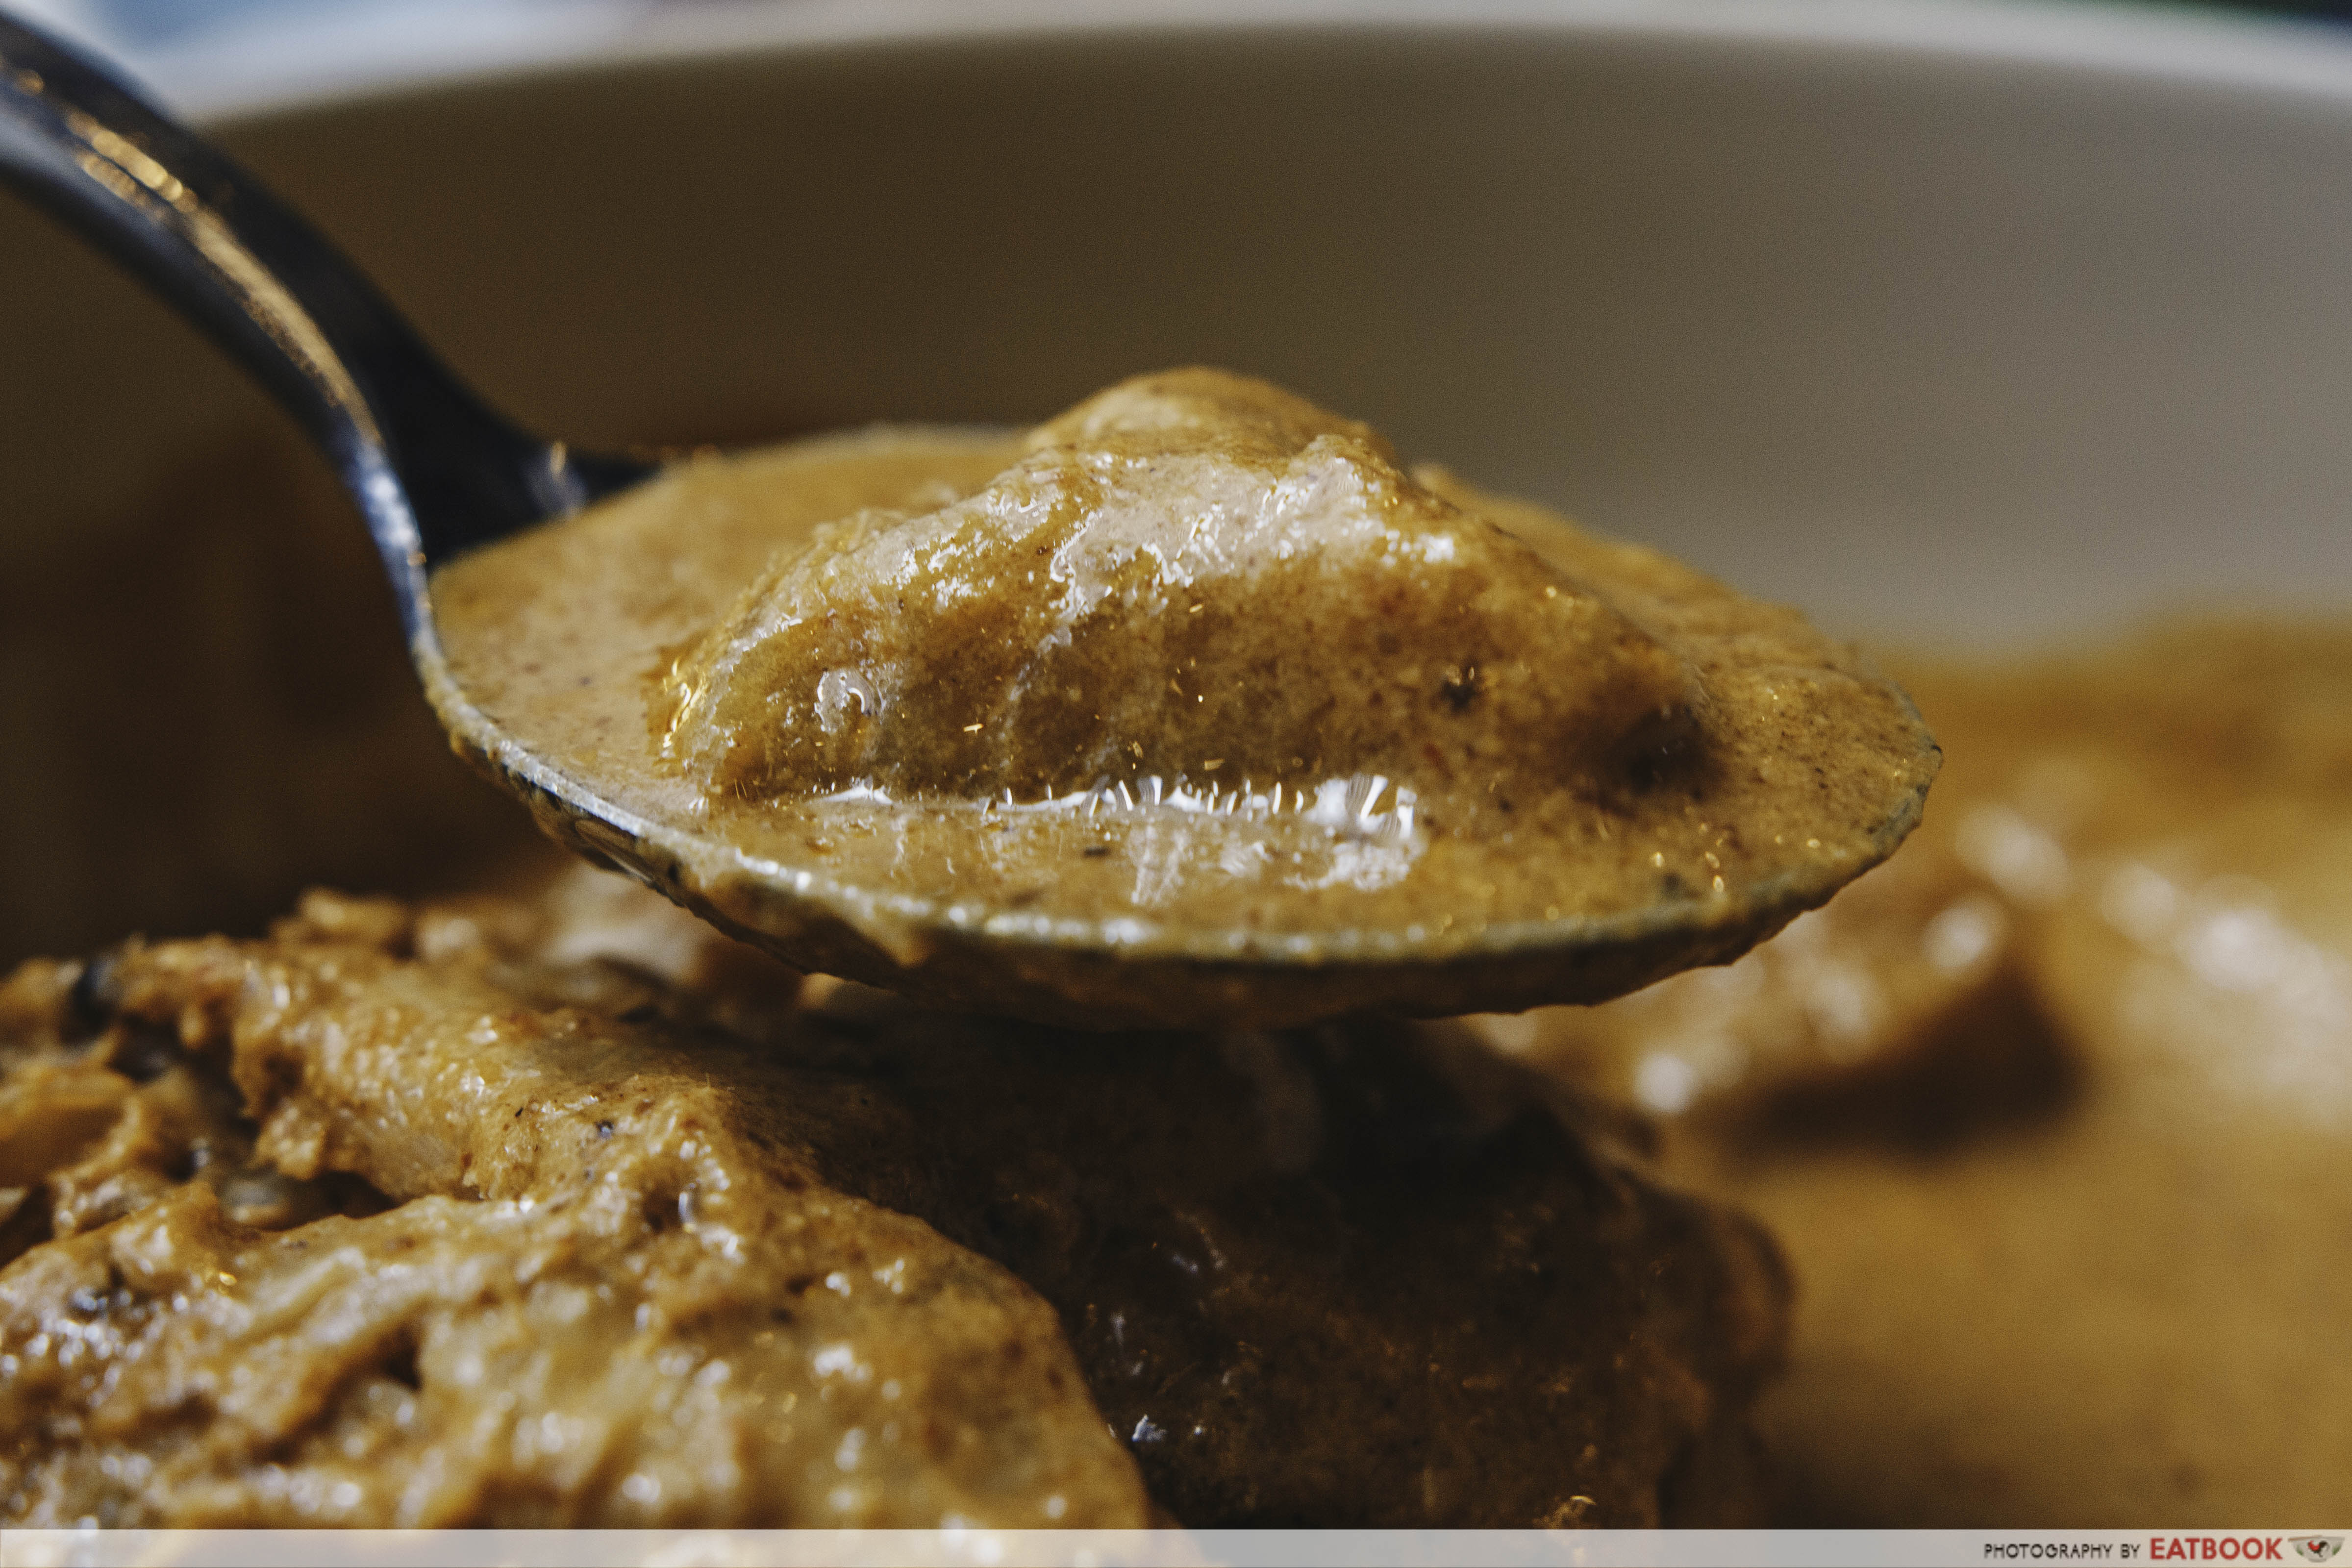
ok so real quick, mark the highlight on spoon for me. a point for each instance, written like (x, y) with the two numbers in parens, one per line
(433, 470)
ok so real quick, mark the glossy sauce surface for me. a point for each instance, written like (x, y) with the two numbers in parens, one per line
(1196, 669)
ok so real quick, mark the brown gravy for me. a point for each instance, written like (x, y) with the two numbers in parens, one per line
(1196, 669)
(2054, 1110)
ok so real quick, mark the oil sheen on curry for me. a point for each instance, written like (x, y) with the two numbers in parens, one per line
(1191, 704)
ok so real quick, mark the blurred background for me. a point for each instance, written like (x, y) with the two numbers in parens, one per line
(214, 54)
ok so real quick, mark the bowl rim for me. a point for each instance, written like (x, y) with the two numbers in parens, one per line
(2182, 45)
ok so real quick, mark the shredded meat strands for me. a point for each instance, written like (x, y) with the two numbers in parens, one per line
(565, 1211)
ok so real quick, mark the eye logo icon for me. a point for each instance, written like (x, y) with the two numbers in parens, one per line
(2316, 1548)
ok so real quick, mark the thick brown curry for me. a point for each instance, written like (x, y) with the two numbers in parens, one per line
(1194, 673)
(2048, 1116)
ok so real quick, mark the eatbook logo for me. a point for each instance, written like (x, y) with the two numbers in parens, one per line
(2316, 1548)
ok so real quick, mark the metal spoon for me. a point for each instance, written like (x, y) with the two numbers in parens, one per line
(436, 472)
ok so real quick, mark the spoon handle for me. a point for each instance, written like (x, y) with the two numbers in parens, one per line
(435, 470)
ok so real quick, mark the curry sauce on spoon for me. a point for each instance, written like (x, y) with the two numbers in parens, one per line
(1192, 704)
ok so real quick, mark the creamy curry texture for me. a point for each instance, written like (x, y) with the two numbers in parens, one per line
(1190, 704)
(549, 1205)
(1335, 619)
(562, 1209)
